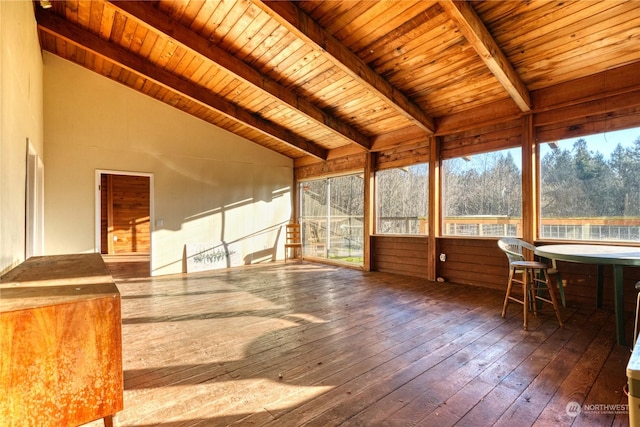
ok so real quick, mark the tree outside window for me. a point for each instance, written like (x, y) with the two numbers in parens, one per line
(402, 200)
(482, 194)
(590, 187)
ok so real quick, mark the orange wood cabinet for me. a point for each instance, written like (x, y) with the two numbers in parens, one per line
(60, 342)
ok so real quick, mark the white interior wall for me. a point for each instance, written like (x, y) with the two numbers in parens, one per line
(210, 185)
(20, 121)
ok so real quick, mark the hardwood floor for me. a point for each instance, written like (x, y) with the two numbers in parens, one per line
(314, 345)
(128, 266)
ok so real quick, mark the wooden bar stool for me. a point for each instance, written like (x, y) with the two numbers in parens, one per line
(293, 242)
(534, 280)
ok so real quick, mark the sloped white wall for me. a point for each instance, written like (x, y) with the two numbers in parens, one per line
(20, 120)
(209, 185)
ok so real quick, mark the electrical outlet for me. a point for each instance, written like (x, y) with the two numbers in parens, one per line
(443, 257)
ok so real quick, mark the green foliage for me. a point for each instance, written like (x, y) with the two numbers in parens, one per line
(576, 182)
(580, 182)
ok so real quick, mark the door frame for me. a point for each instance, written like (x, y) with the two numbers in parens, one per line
(98, 205)
(34, 203)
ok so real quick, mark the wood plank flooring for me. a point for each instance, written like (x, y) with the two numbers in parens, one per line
(128, 266)
(315, 345)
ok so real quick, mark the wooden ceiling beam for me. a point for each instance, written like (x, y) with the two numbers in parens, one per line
(147, 15)
(51, 23)
(483, 42)
(303, 26)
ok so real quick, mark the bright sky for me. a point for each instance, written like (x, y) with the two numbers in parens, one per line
(604, 143)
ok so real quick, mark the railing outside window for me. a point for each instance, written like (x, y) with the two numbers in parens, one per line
(623, 229)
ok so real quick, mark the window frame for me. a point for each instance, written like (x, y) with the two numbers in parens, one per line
(478, 220)
(312, 243)
(599, 222)
(422, 221)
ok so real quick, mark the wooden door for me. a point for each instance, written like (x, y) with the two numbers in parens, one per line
(125, 214)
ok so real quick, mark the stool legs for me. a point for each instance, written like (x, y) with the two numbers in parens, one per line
(526, 274)
(533, 280)
(552, 295)
(509, 286)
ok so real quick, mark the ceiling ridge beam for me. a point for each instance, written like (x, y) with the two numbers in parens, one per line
(485, 45)
(147, 15)
(303, 26)
(50, 23)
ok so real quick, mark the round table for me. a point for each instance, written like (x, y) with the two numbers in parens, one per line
(616, 256)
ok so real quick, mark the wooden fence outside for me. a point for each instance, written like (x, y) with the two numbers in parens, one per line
(573, 228)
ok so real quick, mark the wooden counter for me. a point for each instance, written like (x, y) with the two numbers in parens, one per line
(60, 342)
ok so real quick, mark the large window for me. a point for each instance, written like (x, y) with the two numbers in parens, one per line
(590, 187)
(332, 218)
(482, 194)
(402, 200)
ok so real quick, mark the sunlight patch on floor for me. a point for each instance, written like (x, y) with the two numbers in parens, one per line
(224, 399)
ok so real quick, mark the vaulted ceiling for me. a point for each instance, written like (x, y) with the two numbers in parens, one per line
(307, 77)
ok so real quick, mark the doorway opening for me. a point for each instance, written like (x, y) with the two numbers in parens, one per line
(124, 222)
(34, 206)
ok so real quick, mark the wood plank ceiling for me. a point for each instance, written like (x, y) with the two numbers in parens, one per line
(307, 77)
